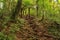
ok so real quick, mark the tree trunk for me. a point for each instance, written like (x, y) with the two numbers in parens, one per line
(37, 7)
(43, 12)
(21, 12)
(29, 12)
(15, 12)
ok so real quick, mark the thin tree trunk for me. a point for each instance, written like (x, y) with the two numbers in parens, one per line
(21, 12)
(29, 12)
(37, 7)
(43, 15)
(37, 10)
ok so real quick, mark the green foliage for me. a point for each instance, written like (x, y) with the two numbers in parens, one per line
(6, 37)
(54, 30)
(17, 26)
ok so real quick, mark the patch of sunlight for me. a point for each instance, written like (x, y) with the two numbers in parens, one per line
(55, 0)
(1, 5)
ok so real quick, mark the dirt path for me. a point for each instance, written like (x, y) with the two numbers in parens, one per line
(33, 30)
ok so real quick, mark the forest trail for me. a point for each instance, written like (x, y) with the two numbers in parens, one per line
(35, 30)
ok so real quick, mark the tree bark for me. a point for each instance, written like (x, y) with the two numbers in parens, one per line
(15, 12)
(37, 7)
(29, 12)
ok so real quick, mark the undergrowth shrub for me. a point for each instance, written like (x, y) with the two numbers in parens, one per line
(6, 37)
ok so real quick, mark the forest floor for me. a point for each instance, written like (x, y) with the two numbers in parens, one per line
(34, 29)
